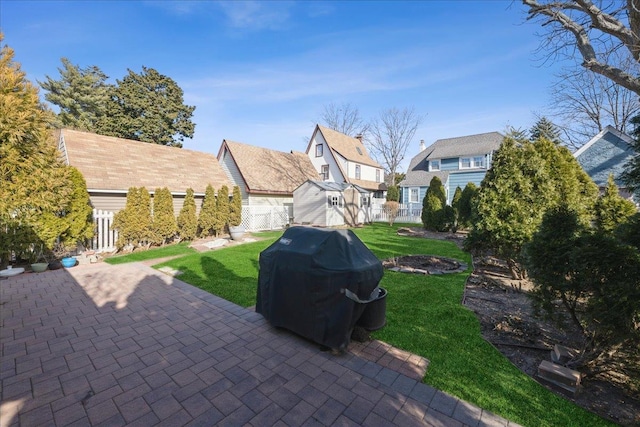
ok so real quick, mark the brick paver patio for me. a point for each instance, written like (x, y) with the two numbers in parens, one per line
(102, 345)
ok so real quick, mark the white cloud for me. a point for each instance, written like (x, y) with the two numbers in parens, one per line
(257, 15)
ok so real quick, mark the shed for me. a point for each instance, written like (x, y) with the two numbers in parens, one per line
(329, 204)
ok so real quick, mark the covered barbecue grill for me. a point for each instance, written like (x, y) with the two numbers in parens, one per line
(316, 282)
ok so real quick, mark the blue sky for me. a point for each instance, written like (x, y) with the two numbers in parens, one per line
(261, 72)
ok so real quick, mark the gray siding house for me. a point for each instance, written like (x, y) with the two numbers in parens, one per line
(456, 161)
(606, 153)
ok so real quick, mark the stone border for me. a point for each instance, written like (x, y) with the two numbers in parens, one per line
(461, 268)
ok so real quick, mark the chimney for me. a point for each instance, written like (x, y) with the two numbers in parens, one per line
(422, 146)
(359, 137)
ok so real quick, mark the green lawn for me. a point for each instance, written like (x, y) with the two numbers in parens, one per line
(424, 316)
(166, 251)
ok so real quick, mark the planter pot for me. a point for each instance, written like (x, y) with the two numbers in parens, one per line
(39, 267)
(236, 232)
(374, 316)
(55, 265)
(68, 262)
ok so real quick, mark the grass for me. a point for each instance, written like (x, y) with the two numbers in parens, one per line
(166, 251)
(424, 316)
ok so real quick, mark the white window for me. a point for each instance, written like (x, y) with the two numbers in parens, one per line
(413, 195)
(319, 150)
(478, 162)
(324, 172)
(357, 171)
(435, 165)
(465, 163)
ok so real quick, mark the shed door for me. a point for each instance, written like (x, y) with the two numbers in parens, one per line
(351, 206)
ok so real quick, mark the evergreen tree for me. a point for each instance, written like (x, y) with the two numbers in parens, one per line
(81, 94)
(464, 205)
(393, 195)
(611, 209)
(78, 213)
(207, 221)
(433, 204)
(631, 174)
(187, 220)
(33, 181)
(222, 209)
(148, 107)
(235, 210)
(455, 205)
(544, 128)
(164, 219)
(134, 223)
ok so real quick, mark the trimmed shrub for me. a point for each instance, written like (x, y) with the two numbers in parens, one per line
(207, 221)
(222, 209)
(187, 221)
(393, 195)
(235, 209)
(164, 218)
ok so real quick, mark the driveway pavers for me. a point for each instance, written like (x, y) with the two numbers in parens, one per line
(102, 345)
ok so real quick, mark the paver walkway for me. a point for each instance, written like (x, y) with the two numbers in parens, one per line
(104, 345)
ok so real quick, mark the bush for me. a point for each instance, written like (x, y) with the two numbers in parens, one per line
(464, 205)
(187, 221)
(164, 218)
(433, 216)
(391, 210)
(134, 222)
(235, 210)
(208, 219)
(222, 209)
(611, 209)
(393, 195)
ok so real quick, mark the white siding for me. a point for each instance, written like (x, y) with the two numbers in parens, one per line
(266, 200)
(310, 205)
(233, 173)
(327, 159)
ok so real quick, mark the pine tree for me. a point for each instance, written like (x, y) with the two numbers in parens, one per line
(611, 209)
(187, 220)
(164, 219)
(33, 181)
(81, 94)
(455, 204)
(435, 199)
(207, 221)
(464, 205)
(79, 215)
(544, 128)
(235, 210)
(393, 194)
(134, 223)
(222, 209)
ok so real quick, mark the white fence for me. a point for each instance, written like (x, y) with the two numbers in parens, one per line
(260, 218)
(104, 238)
(406, 213)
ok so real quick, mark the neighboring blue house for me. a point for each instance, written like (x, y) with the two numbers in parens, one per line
(456, 161)
(606, 153)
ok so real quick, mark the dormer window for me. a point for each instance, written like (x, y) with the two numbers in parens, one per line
(478, 162)
(319, 150)
(434, 165)
(359, 150)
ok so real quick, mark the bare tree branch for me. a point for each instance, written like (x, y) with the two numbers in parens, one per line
(344, 118)
(391, 135)
(596, 32)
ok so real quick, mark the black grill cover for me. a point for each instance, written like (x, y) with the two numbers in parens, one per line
(315, 282)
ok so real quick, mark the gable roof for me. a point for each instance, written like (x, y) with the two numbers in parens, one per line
(268, 171)
(606, 153)
(346, 146)
(335, 186)
(116, 164)
(418, 172)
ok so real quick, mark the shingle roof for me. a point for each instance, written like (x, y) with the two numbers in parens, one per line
(337, 186)
(269, 171)
(110, 163)
(348, 147)
(465, 145)
(417, 173)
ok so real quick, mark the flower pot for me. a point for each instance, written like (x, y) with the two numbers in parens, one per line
(55, 265)
(236, 232)
(39, 267)
(68, 262)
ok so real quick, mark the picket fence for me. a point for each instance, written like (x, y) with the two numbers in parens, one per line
(254, 218)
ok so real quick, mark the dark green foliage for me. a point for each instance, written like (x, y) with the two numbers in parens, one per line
(464, 205)
(629, 231)
(81, 94)
(435, 199)
(455, 204)
(544, 128)
(235, 209)
(611, 209)
(164, 218)
(148, 107)
(593, 275)
(78, 213)
(134, 223)
(187, 220)
(222, 209)
(526, 179)
(393, 195)
(631, 174)
(207, 221)
(34, 183)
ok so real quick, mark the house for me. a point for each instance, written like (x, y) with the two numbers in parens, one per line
(339, 158)
(111, 166)
(456, 161)
(330, 204)
(265, 177)
(606, 153)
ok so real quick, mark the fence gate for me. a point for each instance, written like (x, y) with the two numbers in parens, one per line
(104, 238)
